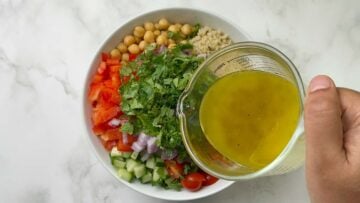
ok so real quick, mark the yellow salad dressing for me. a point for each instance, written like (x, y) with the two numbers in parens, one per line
(250, 116)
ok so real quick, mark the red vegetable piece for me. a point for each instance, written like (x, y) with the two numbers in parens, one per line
(193, 181)
(104, 56)
(109, 96)
(102, 114)
(126, 147)
(209, 179)
(97, 78)
(109, 145)
(132, 57)
(102, 68)
(110, 135)
(101, 128)
(94, 92)
(111, 62)
(174, 169)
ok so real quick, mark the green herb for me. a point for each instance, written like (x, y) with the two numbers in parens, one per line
(173, 184)
(190, 168)
(174, 35)
(151, 97)
(196, 29)
(127, 128)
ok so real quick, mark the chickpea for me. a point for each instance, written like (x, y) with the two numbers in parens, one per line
(161, 40)
(163, 24)
(171, 41)
(173, 28)
(164, 33)
(115, 54)
(122, 47)
(178, 25)
(143, 45)
(138, 39)
(139, 31)
(149, 36)
(129, 40)
(186, 29)
(149, 26)
(125, 57)
(134, 49)
(171, 45)
(157, 26)
(157, 32)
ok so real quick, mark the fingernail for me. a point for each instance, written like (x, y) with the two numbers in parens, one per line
(320, 83)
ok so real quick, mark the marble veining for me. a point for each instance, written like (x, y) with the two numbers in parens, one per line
(45, 50)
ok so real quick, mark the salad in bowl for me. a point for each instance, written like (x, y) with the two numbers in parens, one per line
(132, 93)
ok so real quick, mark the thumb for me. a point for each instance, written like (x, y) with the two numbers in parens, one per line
(323, 124)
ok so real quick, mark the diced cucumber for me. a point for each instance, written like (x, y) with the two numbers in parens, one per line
(139, 170)
(113, 158)
(159, 162)
(126, 175)
(126, 154)
(146, 178)
(156, 177)
(159, 173)
(150, 163)
(119, 163)
(131, 164)
(134, 155)
(114, 152)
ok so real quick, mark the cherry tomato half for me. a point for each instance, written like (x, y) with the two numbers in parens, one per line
(193, 181)
(209, 179)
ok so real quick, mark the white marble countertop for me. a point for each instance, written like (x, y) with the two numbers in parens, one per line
(45, 50)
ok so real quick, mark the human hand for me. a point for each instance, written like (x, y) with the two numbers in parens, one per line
(332, 128)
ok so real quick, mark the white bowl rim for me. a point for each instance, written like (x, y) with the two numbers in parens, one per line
(84, 101)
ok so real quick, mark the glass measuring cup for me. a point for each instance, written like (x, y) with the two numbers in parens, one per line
(242, 56)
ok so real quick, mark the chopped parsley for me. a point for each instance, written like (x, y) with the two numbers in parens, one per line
(150, 96)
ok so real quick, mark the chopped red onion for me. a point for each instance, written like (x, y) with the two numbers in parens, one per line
(168, 154)
(142, 139)
(114, 122)
(151, 145)
(136, 147)
(161, 49)
(125, 138)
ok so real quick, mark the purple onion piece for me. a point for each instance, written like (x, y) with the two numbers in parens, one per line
(161, 49)
(151, 145)
(142, 139)
(168, 154)
(136, 147)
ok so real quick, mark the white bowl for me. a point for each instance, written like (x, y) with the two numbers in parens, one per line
(181, 15)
